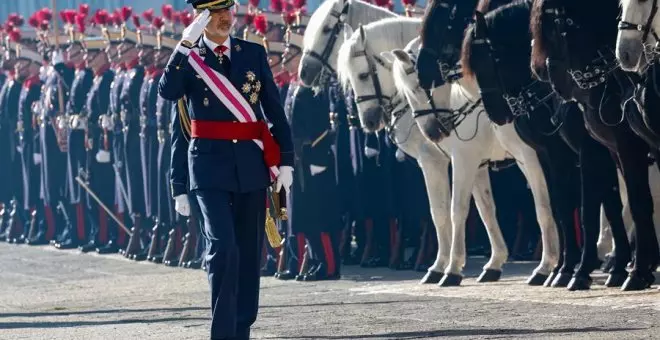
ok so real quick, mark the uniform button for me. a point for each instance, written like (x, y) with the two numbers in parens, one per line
(235, 141)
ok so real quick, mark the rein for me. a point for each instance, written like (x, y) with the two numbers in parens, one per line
(324, 57)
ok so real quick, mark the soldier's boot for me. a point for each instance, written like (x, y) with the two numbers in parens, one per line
(134, 244)
(43, 231)
(155, 253)
(170, 255)
(281, 258)
(15, 224)
(33, 231)
(330, 249)
(367, 254)
(4, 220)
(30, 225)
(188, 249)
(74, 235)
(304, 265)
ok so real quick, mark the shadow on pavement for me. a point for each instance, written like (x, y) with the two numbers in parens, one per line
(63, 324)
(340, 303)
(462, 332)
(102, 311)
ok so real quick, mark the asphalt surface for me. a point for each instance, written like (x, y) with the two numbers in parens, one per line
(52, 294)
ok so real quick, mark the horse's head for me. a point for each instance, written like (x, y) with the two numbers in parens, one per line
(637, 33)
(441, 36)
(422, 103)
(326, 31)
(369, 76)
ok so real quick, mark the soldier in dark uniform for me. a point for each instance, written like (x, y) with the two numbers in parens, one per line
(27, 139)
(99, 143)
(4, 77)
(229, 170)
(78, 147)
(130, 119)
(315, 211)
(55, 225)
(11, 170)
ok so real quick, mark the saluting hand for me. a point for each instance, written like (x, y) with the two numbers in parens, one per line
(196, 28)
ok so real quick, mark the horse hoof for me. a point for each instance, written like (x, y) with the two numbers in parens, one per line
(490, 275)
(562, 280)
(432, 277)
(548, 281)
(579, 283)
(451, 280)
(537, 279)
(615, 280)
(608, 264)
(634, 282)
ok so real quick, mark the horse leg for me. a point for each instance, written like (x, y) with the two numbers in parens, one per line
(604, 243)
(632, 153)
(530, 166)
(597, 172)
(654, 183)
(463, 175)
(621, 253)
(483, 198)
(434, 168)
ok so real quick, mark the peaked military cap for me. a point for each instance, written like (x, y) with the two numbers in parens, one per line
(211, 4)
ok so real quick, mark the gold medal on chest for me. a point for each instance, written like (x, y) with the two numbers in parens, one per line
(206, 102)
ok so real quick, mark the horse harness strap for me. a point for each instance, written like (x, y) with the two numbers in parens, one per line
(645, 29)
(324, 57)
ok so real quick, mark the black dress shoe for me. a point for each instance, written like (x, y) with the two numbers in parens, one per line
(109, 248)
(86, 248)
(286, 275)
(67, 244)
(37, 240)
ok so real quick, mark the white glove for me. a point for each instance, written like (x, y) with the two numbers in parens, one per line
(316, 169)
(371, 153)
(75, 122)
(196, 28)
(37, 158)
(56, 57)
(400, 155)
(103, 156)
(285, 179)
(182, 205)
(106, 122)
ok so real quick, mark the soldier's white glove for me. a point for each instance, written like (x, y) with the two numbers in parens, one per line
(103, 156)
(182, 205)
(106, 122)
(400, 155)
(196, 28)
(370, 152)
(285, 179)
(56, 57)
(75, 122)
(316, 169)
(36, 157)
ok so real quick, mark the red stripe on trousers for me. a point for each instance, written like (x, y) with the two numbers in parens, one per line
(50, 223)
(103, 226)
(329, 253)
(81, 222)
(300, 237)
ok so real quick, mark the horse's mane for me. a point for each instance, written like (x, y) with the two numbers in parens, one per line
(504, 29)
(399, 70)
(539, 52)
(359, 12)
(389, 34)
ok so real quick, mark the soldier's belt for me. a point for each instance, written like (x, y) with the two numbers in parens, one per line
(235, 131)
(62, 121)
(78, 122)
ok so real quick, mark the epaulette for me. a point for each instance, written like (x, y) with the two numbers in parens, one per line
(184, 118)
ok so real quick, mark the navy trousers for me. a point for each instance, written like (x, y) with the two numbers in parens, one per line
(234, 228)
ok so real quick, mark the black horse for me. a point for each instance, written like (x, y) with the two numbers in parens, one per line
(496, 51)
(574, 42)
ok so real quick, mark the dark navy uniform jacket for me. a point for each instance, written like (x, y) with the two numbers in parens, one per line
(82, 82)
(8, 115)
(236, 166)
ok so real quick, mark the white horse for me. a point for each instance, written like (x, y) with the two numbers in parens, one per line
(370, 77)
(633, 43)
(329, 26)
(453, 101)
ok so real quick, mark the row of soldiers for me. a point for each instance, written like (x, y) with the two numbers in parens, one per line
(86, 140)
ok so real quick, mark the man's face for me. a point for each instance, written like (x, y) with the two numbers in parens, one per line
(221, 23)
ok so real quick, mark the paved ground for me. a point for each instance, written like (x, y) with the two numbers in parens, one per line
(51, 294)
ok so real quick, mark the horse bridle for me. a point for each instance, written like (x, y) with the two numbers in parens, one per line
(646, 29)
(596, 72)
(324, 57)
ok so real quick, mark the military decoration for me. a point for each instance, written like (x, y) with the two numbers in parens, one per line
(251, 87)
(206, 102)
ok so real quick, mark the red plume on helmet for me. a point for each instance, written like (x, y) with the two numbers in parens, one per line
(248, 19)
(254, 3)
(148, 15)
(101, 17)
(33, 21)
(158, 22)
(289, 17)
(126, 13)
(261, 24)
(15, 35)
(276, 6)
(167, 11)
(80, 22)
(15, 20)
(69, 16)
(186, 18)
(45, 14)
(83, 9)
(299, 4)
(136, 22)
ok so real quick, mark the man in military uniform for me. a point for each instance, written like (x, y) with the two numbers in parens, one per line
(233, 157)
